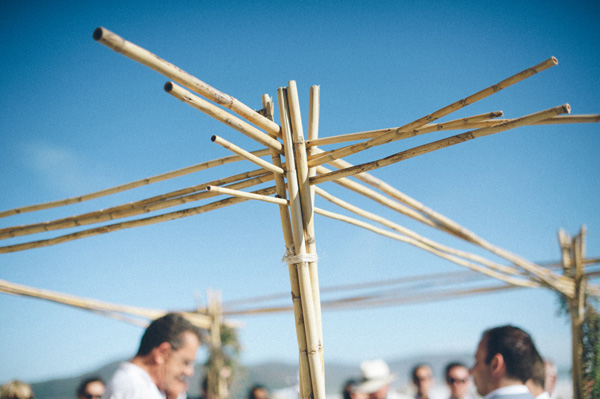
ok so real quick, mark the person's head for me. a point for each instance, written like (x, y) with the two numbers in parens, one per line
(258, 391)
(537, 382)
(505, 356)
(90, 388)
(169, 346)
(422, 377)
(16, 389)
(457, 378)
(376, 380)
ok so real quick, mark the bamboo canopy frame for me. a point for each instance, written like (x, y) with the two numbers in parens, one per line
(295, 184)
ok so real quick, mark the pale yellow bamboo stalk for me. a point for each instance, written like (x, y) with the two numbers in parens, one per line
(169, 70)
(443, 143)
(306, 200)
(246, 154)
(409, 233)
(306, 389)
(90, 304)
(408, 128)
(153, 204)
(222, 116)
(555, 120)
(408, 240)
(302, 266)
(131, 185)
(244, 194)
(381, 199)
(450, 125)
(450, 226)
(130, 224)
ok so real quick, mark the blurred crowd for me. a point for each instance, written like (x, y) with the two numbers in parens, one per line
(506, 365)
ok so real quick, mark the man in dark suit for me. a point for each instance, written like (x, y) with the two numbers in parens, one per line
(504, 361)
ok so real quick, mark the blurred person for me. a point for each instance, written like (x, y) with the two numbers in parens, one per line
(537, 382)
(422, 378)
(457, 378)
(16, 389)
(504, 361)
(163, 363)
(551, 377)
(376, 380)
(258, 391)
(91, 388)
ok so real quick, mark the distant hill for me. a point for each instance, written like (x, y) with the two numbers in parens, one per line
(274, 375)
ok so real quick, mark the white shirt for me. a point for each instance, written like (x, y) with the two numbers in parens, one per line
(544, 395)
(509, 390)
(131, 382)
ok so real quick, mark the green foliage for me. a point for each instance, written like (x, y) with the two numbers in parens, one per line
(591, 352)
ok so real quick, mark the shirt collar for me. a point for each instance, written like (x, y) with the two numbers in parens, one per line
(508, 390)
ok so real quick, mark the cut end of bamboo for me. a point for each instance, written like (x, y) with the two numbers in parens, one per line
(168, 87)
(208, 188)
(213, 138)
(98, 33)
(567, 108)
(554, 60)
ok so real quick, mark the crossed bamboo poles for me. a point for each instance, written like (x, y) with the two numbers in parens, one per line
(296, 182)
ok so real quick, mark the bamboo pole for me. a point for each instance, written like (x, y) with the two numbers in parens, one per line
(305, 383)
(408, 240)
(316, 377)
(92, 304)
(410, 127)
(130, 224)
(169, 70)
(222, 116)
(152, 204)
(413, 235)
(246, 154)
(286, 226)
(452, 227)
(450, 125)
(577, 313)
(306, 200)
(443, 143)
(131, 185)
(243, 194)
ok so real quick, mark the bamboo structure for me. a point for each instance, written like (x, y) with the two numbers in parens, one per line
(296, 183)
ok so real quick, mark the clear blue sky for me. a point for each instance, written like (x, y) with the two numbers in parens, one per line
(76, 117)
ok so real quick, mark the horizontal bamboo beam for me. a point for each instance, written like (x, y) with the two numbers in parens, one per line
(413, 235)
(246, 155)
(7, 287)
(439, 144)
(246, 195)
(222, 116)
(143, 56)
(131, 185)
(407, 129)
(130, 224)
(450, 125)
(152, 204)
(478, 268)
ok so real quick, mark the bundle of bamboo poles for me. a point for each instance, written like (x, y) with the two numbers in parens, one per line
(294, 189)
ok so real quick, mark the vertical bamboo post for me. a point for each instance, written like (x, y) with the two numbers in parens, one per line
(306, 199)
(300, 256)
(305, 385)
(573, 253)
(217, 386)
(577, 311)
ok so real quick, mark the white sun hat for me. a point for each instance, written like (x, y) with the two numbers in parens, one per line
(375, 375)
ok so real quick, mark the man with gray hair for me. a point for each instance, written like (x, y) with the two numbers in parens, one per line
(163, 363)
